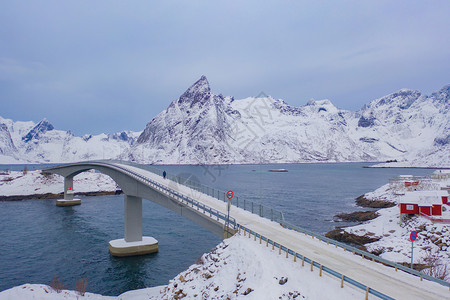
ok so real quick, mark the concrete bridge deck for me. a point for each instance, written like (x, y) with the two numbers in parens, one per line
(396, 284)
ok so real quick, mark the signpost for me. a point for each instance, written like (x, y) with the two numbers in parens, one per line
(230, 195)
(412, 237)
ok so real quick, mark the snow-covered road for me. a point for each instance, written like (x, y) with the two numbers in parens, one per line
(386, 280)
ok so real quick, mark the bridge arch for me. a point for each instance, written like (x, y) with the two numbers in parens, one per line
(135, 187)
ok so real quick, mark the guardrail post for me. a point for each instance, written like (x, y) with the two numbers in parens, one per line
(245, 231)
(252, 206)
(320, 273)
(395, 269)
(287, 253)
(342, 281)
(271, 214)
(273, 245)
(303, 261)
(312, 264)
(255, 237)
(367, 293)
(295, 256)
(239, 229)
(260, 237)
(279, 250)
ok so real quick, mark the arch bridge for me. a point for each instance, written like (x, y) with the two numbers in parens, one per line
(136, 184)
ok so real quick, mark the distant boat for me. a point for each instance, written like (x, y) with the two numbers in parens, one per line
(278, 170)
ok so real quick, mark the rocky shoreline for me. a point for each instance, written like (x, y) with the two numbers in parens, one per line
(364, 202)
(340, 235)
(359, 241)
(56, 196)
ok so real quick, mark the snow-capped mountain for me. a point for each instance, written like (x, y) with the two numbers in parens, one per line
(27, 142)
(201, 127)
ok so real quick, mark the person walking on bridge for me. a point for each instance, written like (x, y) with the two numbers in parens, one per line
(164, 174)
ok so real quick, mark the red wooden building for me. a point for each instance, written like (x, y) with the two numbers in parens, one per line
(427, 203)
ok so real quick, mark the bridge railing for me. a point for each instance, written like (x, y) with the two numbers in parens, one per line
(304, 259)
(365, 254)
(251, 206)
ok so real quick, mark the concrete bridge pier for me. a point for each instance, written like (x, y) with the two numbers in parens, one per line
(133, 242)
(68, 194)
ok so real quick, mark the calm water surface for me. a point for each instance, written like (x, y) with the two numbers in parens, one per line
(39, 240)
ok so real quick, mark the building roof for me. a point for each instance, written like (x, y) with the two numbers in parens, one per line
(424, 198)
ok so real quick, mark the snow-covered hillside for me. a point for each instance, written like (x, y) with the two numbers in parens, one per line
(24, 142)
(202, 127)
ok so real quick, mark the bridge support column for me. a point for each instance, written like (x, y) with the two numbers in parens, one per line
(68, 194)
(133, 243)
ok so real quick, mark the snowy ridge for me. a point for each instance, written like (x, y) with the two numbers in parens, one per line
(201, 127)
(27, 142)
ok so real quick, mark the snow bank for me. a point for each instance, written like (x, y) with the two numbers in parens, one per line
(34, 183)
(241, 266)
(41, 291)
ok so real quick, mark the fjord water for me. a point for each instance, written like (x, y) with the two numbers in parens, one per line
(39, 240)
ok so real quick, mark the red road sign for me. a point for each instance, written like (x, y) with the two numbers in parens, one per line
(413, 236)
(230, 194)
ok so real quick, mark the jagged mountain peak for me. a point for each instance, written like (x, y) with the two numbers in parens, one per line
(402, 99)
(443, 95)
(44, 123)
(199, 92)
(7, 146)
(42, 127)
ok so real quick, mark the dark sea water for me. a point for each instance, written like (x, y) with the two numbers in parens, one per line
(39, 240)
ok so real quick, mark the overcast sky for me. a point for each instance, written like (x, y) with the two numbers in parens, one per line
(106, 66)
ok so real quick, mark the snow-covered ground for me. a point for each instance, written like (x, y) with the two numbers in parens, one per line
(238, 268)
(42, 291)
(433, 241)
(33, 183)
